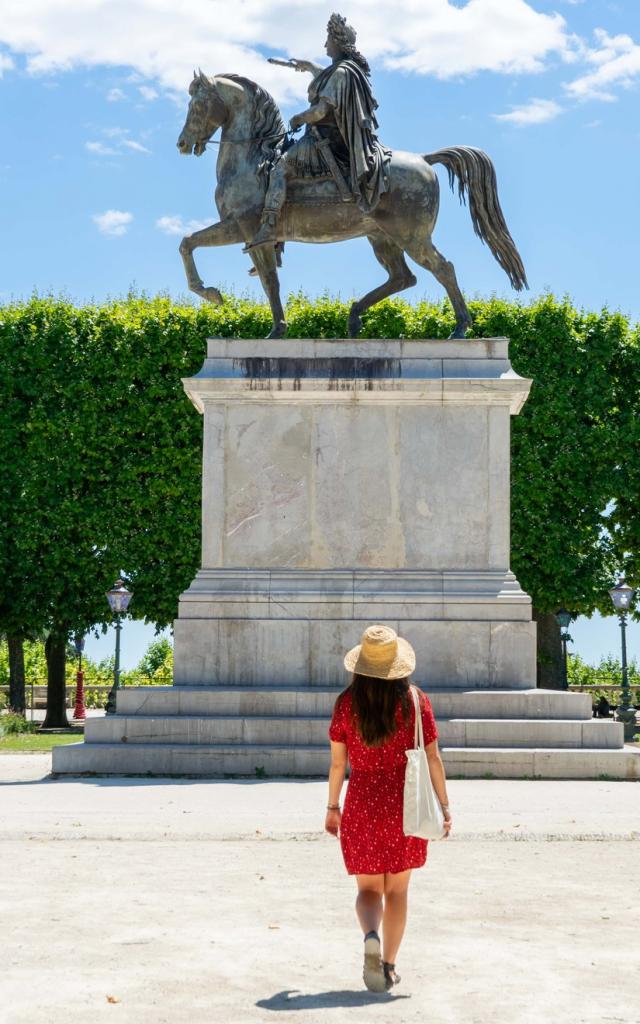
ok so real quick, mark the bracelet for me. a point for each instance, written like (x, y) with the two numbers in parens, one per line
(333, 807)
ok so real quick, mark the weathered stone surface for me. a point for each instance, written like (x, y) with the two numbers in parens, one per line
(345, 484)
(243, 759)
(308, 652)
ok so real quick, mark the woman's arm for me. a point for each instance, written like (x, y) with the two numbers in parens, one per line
(336, 778)
(436, 771)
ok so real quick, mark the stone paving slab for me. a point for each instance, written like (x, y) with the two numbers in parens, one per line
(198, 902)
(142, 808)
(246, 933)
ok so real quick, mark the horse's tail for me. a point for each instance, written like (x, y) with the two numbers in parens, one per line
(477, 177)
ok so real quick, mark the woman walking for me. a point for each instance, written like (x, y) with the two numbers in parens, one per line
(372, 726)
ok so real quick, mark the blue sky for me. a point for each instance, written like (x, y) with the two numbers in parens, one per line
(85, 135)
(92, 98)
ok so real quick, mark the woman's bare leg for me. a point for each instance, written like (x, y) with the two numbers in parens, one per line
(369, 901)
(395, 913)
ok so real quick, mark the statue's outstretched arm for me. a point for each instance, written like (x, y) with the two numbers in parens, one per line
(308, 65)
(298, 65)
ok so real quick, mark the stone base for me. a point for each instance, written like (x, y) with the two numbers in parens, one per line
(309, 652)
(347, 483)
(246, 731)
(293, 627)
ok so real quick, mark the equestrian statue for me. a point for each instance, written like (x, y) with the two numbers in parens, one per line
(336, 182)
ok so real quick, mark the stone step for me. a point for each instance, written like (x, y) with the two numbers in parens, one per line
(303, 730)
(219, 760)
(251, 700)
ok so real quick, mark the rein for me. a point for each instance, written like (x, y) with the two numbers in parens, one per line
(256, 138)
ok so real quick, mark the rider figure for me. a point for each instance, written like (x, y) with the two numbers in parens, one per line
(341, 116)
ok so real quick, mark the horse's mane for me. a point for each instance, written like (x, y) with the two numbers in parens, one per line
(267, 125)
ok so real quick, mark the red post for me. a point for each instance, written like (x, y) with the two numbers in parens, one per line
(79, 711)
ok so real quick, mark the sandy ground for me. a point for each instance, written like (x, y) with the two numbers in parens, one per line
(205, 901)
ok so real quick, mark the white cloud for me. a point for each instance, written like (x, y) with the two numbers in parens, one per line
(175, 225)
(115, 95)
(113, 222)
(120, 142)
(483, 35)
(99, 149)
(6, 63)
(148, 92)
(534, 112)
(164, 41)
(137, 147)
(617, 65)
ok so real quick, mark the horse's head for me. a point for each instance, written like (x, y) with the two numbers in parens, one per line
(206, 113)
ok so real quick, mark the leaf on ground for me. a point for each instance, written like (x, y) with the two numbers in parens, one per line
(113, 999)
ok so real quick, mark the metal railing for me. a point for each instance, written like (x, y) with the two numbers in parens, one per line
(36, 692)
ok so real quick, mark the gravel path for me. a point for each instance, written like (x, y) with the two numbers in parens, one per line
(204, 901)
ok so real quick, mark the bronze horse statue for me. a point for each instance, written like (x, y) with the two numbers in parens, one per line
(401, 223)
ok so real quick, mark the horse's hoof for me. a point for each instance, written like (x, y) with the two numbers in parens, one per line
(278, 330)
(459, 331)
(355, 325)
(211, 295)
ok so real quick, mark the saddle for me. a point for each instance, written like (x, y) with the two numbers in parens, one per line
(316, 191)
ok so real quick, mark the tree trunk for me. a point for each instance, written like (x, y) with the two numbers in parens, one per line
(55, 653)
(550, 668)
(17, 700)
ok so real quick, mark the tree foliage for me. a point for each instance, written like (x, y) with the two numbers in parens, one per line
(100, 449)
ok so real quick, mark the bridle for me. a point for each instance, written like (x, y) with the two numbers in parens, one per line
(239, 142)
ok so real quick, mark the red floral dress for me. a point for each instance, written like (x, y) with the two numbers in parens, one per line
(371, 833)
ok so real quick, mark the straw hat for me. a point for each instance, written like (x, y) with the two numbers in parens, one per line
(381, 654)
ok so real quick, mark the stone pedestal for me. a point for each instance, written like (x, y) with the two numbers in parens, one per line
(346, 483)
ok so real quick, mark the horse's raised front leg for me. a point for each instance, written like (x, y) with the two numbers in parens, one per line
(391, 257)
(226, 232)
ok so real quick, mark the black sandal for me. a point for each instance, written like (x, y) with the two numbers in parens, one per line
(390, 976)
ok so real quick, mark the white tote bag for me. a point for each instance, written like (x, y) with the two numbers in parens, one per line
(423, 815)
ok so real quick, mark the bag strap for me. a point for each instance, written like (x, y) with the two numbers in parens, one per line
(418, 733)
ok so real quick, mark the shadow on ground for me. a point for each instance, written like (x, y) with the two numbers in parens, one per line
(292, 1000)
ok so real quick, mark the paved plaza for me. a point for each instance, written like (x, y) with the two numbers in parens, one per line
(163, 900)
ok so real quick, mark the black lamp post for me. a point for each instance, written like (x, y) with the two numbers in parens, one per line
(118, 598)
(563, 618)
(622, 596)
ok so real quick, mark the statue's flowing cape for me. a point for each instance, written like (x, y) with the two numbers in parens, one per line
(347, 88)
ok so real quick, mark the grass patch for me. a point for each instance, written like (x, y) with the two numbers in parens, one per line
(24, 743)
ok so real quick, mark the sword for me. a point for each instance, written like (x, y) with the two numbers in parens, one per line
(282, 63)
(325, 148)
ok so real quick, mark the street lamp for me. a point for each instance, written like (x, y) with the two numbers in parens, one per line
(563, 618)
(622, 596)
(79, 711)
(118, 598)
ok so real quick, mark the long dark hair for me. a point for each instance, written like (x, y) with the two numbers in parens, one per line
(350, 53)
(374, 703)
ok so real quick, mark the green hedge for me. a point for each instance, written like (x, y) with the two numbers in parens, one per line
(100, 449)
